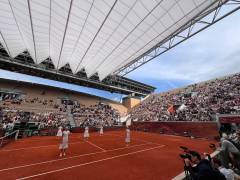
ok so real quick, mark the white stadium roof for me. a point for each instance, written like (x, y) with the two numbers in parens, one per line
(100, 36)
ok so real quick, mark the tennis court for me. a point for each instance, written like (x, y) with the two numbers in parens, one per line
(149, 156)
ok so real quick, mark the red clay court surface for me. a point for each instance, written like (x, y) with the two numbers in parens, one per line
(150, 156)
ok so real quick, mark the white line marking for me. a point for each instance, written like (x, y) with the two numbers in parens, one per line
(36, 147)
(71, 157)
(134, 139)
(91, 162)
(33, 140)
(51, 138)
(95, 145)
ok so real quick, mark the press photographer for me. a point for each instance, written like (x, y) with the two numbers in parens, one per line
(201, 168)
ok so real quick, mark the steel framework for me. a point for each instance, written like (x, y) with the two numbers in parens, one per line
(196, 25)
(24, 63)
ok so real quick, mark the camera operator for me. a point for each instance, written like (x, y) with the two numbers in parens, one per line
(201, 169)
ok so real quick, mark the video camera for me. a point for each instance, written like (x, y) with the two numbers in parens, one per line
(187, 153)
(185, 156)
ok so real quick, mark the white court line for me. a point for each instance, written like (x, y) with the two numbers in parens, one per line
(71, 157)
(95, 145)
(42, 138)
(134, 139)
(91, 162)
(36, 147)
(32, 140)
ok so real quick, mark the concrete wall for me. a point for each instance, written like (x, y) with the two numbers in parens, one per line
(130, 102)
(197, 129)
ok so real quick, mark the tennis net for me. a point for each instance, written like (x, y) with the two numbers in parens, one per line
(8, 138)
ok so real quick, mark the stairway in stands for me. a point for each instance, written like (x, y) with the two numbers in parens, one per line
(22, 128)
(22, 125)
(70, 117)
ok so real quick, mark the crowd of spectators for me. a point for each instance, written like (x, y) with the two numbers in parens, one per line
(49, 119)
(18, 99)
(10, 98)
(197, 102)
(95, 115)
(8, 118)
(9, 114)
(36, 100)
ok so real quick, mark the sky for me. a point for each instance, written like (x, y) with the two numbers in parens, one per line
(212, 53)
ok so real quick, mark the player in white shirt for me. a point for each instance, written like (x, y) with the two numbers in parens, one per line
(101, 131)
(59, 133)
(127, 139)
(86, 133)
(64, 143)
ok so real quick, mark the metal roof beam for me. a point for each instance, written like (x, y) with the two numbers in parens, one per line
(196, 25)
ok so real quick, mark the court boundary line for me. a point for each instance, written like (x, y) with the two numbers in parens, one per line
(33, 147)
(91, 162)
(31, 140)
(72, 157)
(36, 147)
(137, 139)
(94, 145)
(39, 138)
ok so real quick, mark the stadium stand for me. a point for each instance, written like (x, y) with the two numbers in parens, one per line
(95, 115)
(197, 102)
(50, 107)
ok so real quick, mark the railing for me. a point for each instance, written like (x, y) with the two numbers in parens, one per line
(10, 136)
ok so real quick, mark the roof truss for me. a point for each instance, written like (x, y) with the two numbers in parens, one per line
(205, 19)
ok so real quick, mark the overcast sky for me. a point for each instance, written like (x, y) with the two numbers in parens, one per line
(212, 53)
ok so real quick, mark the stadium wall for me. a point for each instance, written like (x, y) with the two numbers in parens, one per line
(131, 102)
(53, 131)
(184, 128)
(91, 129)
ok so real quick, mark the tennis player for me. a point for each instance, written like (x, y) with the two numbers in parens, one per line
(59, 134)
(86, 133)
(101, 131)
(64, 143)
(127, 139)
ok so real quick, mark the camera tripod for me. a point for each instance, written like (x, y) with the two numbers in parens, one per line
(186, 172)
